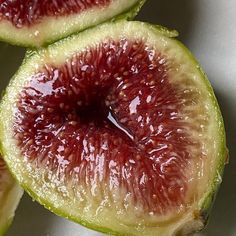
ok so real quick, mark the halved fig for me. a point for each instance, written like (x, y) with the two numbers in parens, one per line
(36, 23)
(121, 133)
(10, 195)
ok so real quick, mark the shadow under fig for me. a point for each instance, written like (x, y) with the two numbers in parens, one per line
(177, 15)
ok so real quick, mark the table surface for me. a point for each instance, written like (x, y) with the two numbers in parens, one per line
(207, 27)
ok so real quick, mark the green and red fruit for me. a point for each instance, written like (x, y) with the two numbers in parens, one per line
(36, 23)
(121, 133)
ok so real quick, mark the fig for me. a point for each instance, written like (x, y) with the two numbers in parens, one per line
(37, 23)
(10, 195)
(122, 133)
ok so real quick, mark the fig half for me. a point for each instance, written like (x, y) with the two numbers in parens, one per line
(122, 134)
(35, 23)
(10, 195)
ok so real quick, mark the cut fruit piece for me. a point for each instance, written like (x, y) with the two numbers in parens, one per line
(36, 23)
(122, 134)
(10, 195)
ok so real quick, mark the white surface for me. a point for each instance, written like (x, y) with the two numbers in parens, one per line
(208, 28)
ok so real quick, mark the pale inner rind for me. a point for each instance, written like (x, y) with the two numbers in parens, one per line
(10, 194)
(203, 114)
(64, 25)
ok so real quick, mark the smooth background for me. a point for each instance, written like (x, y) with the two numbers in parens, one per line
(208, 28)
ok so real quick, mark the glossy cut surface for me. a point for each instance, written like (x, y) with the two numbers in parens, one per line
(109, 115)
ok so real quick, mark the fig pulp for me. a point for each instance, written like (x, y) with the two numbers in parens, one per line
(115, 134)
(68, 118)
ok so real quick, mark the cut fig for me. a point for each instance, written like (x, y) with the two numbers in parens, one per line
(36, 23)
(122, 134)
(10, 195)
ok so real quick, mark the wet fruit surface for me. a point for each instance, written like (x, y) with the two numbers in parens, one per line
(109, 119)
(28, 12)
